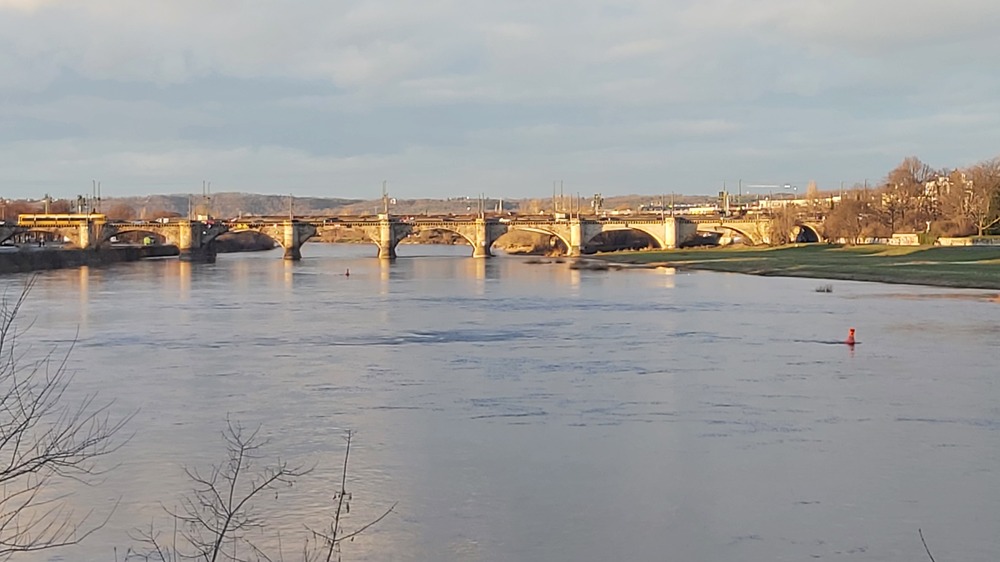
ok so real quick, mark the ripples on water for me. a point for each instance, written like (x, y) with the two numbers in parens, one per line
(533, 412)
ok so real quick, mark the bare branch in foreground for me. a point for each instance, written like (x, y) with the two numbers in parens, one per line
(45, 439)
(332, 539)
(927, 550)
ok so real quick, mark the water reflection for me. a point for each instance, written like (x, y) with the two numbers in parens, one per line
(476, 269)
(385, 270)
(574, 279)
(83, 279)
(669, 276)
(289, 274)
(178, 273)
(493, 399)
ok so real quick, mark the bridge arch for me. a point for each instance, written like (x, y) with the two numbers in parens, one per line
(723, 228)
(807, 233)
(653, 231)
(538, 230)
(744, 234)
(444, 227)
(108, 234)
(9, 233)
(622, 239)
(245, 230)
(289, 234)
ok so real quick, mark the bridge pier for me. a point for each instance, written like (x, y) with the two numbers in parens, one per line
(575, 238)
(387, 238)
(204, 254)
(481, 244)
(196, 241)
(386, 251)
(294, 235)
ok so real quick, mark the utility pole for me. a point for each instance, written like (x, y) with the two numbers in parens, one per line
(206, 197)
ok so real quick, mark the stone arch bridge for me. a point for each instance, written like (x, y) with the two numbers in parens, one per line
(481, 232)
(195, 239)
(757, 230)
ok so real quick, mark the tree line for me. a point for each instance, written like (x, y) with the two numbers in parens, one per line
(915, 198)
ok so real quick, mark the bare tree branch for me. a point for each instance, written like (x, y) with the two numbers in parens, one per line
(45, 438)
(215, 517)
(219, 511)
(927, 550)
(332, 540)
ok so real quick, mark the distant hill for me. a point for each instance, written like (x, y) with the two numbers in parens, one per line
(230, 205)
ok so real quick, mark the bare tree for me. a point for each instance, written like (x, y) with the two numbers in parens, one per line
(981, 195)
(45, 440)
(782, 225)
(905, 203)
(214, 520)
(14, 208)
(160, 214)
(814, 201)
(329, 540)
(219, 512)
(848, 217)
(122, 212)
(60, 206)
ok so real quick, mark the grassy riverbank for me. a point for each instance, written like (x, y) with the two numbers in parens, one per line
(970, 267)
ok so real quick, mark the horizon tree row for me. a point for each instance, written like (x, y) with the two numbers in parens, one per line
(917, 199)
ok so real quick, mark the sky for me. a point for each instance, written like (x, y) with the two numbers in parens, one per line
(451, 98)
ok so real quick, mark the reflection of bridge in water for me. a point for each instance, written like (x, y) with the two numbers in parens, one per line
(195, 239)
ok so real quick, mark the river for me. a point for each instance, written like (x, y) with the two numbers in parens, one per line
(519, 411)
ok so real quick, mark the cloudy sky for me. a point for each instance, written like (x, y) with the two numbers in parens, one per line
(459, 97)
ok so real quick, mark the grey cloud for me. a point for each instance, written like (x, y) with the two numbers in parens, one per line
(506, 96)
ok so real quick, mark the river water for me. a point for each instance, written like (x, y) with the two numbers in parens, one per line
(520, 411)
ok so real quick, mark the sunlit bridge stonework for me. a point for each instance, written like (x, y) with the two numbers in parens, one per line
(194, 238)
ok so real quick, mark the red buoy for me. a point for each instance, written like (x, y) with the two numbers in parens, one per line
(850, 337)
